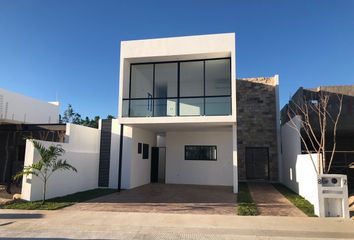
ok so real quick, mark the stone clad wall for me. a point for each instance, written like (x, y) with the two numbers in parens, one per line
(256, 120)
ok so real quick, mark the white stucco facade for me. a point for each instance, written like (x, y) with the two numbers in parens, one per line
(17, 108)
(176, 49)
(179, 131)
(114, 155)
(180, 171)
(135, 169)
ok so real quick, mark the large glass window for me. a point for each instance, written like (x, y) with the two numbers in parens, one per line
(165, 107)
(166, 80)
(140, 108)
(217, 77)
(181, 88)
(191, 107)
(191, 79)
(141, 81)
(215, 106)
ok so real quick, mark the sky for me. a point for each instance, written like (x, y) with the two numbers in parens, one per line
(69, 50)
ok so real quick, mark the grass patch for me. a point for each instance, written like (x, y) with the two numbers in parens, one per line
(300, 202)
(60, 202)
(245, 204)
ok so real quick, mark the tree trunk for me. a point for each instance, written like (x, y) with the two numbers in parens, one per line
(44, 190)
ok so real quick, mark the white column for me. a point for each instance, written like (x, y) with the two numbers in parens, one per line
(277, 122)
(114, 157)
(234, 156)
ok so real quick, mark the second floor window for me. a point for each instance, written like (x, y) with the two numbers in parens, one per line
(183, 88)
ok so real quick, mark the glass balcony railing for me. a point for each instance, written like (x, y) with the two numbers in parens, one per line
(172, 107)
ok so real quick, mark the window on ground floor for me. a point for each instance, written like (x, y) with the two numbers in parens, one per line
(200, 152)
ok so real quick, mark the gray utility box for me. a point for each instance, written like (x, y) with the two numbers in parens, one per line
(333, 195)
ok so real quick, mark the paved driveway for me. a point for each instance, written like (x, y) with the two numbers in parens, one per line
(166, 198)
(270, 202)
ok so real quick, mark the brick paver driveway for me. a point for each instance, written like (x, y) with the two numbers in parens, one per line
(166, 198)
(270, 202)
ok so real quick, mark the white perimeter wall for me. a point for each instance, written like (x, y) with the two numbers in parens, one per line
(135, 169)
(17, 108)
(81, 151)
(180, 171)
(298, 170)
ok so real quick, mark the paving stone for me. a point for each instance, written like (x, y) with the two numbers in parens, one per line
(166, 198)
(270, 202)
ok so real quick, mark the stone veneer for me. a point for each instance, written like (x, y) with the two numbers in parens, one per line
(256, 120)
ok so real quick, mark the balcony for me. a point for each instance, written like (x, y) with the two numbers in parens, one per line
(172, 107)
(180, 88)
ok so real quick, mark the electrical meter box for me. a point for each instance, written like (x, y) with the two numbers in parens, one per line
(333, 195)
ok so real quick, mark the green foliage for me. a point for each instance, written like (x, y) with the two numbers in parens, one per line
(70, 116)
(90, 122)
(48, 163)
(300, 202)
(60, 202)
(247, 209)
(244, 195)
(245, 204)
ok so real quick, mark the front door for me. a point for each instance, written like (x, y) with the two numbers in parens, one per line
(257, 163)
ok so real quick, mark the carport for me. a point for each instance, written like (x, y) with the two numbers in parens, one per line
(166, 198)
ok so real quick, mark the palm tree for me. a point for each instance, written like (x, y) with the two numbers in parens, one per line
(49, 163)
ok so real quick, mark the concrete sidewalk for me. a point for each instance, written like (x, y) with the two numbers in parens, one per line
(123, 225)
(270, 202)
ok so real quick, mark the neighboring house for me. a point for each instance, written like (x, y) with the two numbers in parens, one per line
(344, 154)
(186, 120)
(20, 117)
(17, 108)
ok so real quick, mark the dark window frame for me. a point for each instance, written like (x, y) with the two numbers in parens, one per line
(146, 151)
(186, 158)
(139, 148)
(204, 97)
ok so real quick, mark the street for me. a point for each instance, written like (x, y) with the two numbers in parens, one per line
(64, 224)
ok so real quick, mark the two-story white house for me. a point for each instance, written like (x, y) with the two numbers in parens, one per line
(184, 118)
(177, 120)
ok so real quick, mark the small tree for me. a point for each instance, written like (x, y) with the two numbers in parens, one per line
(48, 164)
(318, 117)
(70, 116)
